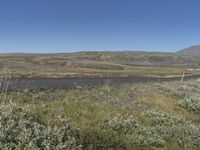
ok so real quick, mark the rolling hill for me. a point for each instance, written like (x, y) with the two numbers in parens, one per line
(193, 50)
(104, 63)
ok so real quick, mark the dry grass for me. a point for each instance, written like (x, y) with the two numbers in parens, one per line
(99, 64)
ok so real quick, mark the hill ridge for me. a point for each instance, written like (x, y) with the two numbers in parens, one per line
(192, 50)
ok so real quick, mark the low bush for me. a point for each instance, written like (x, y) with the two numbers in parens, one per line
(140, 134)
(19, 130)
(161, 118)
(191, 103)
(165, 128)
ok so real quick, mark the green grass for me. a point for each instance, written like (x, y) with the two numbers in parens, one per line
(81, 72)
(129, 116)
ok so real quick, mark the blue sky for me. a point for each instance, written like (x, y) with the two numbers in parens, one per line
(75, 25)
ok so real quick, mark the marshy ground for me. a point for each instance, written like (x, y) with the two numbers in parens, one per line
(35, 83)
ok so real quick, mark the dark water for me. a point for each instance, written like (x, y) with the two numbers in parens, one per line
(17, 84)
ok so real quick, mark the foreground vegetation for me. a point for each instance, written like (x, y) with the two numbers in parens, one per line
(159, 116)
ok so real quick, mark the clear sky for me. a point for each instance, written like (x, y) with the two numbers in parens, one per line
(75, 25)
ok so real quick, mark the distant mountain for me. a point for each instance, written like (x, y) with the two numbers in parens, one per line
(193, 50)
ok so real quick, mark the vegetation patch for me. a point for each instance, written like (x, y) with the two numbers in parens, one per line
(130, 116)
(19, 130)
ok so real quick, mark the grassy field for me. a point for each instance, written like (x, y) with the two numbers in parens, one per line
(141, 116)
(100, 64)
(161, 116)
(80, 72)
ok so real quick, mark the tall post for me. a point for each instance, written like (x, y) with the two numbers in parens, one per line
(182, 77)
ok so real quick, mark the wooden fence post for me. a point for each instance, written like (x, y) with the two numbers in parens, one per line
(182, 77)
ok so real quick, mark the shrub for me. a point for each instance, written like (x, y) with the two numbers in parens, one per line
(139, 133)
(166, 128)
(162, 118)
(19, 130)
(191, 103)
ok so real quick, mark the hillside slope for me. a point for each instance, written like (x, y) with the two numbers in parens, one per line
(124, 63)
(193, 50)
